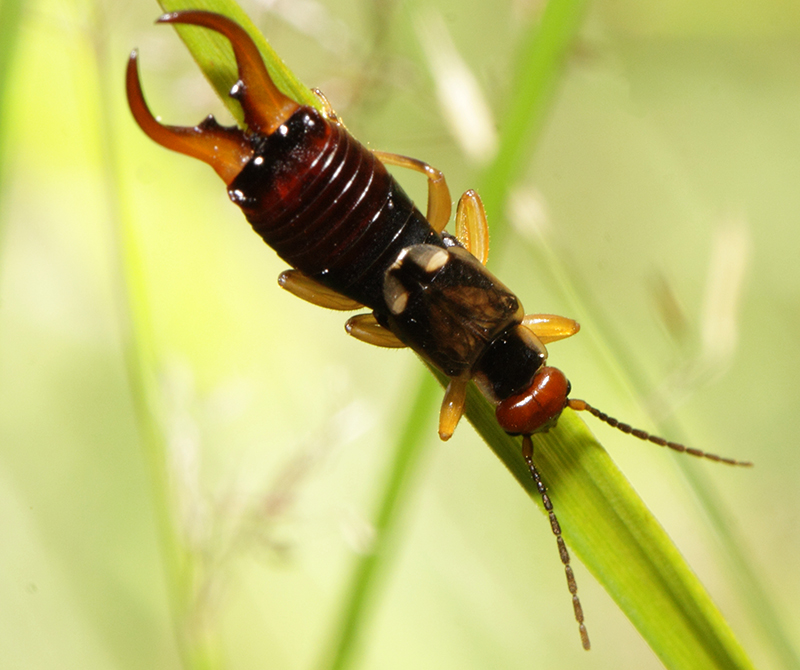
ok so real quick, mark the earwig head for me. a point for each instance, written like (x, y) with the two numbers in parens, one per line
(227, 150)
(538, 407)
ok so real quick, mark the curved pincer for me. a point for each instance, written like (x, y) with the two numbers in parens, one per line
(224, 149)
(265, 106)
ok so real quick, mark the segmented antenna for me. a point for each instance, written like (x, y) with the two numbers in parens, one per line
(527, 453)
(582, 405)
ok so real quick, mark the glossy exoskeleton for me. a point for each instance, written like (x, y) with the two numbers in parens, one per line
(331, 210)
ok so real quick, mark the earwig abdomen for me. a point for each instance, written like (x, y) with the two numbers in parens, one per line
(328, 206)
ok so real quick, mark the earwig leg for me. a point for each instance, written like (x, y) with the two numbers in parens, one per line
(527, 453)
(265, 106)
(439, 202)
(472, 228)
(365, 327)
(312, 291)
(550, 327)
(452, 407)
(224, 149)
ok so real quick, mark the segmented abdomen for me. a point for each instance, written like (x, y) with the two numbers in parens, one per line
(328, 206)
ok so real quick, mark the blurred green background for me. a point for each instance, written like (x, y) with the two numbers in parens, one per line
(665, 188)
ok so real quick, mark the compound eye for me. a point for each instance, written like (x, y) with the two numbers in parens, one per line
(536, 408)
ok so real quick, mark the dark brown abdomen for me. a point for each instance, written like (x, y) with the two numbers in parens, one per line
(328, 206)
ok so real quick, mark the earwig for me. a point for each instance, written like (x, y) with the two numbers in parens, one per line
(328, 206)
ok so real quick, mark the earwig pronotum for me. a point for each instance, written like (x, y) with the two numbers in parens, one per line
(328, 206)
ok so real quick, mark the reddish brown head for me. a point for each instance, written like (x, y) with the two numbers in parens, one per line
(538, 407)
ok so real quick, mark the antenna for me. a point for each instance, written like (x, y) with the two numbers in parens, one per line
(583, 406)
(527, 453)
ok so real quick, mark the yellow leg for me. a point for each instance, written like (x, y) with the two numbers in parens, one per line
(312, 291)
(452, 407)
(472, 228)
(439, 203)
(364, 327)
(550, 327)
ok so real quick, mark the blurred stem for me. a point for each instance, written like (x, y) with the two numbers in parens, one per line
(197, 649)
(10, 19)
(372, 567)
(540, 64)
